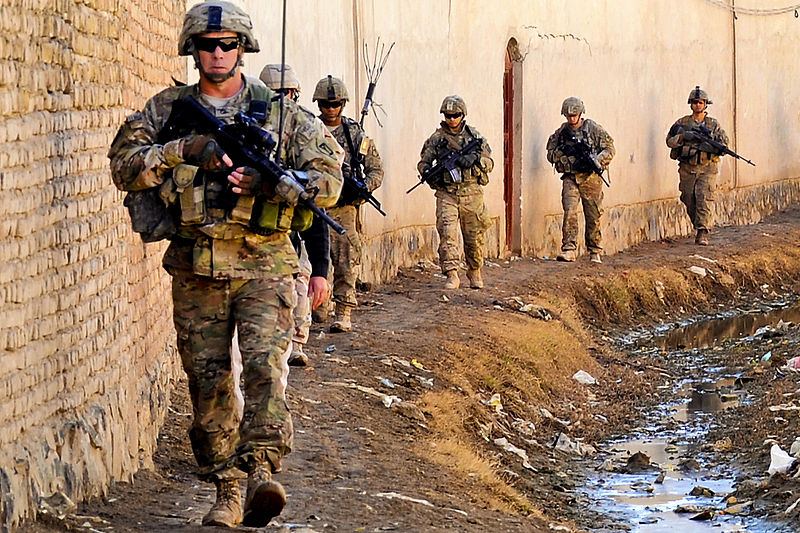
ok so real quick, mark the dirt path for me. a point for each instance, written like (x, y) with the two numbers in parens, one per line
(471, 370)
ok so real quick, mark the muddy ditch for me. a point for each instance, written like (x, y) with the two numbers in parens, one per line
(699, 459)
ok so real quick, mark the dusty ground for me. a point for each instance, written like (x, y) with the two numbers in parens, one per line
(432, 462)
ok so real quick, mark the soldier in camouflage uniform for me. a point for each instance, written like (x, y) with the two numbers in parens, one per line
(230, 256)
(459, 202)
(578, 183)
(697, 162)
(362, 163)
(313, 245)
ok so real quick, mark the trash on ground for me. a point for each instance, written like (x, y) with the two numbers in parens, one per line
(522, 454)
(794, 449)
(417, 364)
(701, 258)
(425, 381)
(386, 382)
(495, 402)
(330, 349)
(793, 363)
(780, 461)
(564, 444)
(584, 377)
(700, 271)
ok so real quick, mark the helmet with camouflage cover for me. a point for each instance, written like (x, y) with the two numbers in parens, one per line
(453, 104)
(330, 88)
(271, 76)
(572, 106)
(698, 94)
(216, 16)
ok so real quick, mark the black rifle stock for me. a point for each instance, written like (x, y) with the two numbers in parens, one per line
(703, 134)
(245, 142)
(446, 163)
(583, 152)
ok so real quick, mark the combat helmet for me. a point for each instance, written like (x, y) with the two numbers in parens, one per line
(572, 106)
(216, 16)
(330, 88)
(271, 76)
(453, 104)
(698, 94)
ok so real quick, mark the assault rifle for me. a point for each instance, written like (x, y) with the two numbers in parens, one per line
(703, 135)
(447, 162)
(580, 149)
(246, 143)
(355, 187)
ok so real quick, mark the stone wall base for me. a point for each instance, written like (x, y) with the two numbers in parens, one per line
(78, 456)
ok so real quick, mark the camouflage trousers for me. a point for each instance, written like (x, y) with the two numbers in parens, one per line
(587, 190)
(697, 194)
(464, 211)
(345, 255)
(302, 311)
(205, 313)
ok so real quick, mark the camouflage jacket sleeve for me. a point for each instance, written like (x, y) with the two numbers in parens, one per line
(429, 153)
(137, 161)
(309, 150)
(368, 152)
(554, 152)
(674, 135)
(602, 143)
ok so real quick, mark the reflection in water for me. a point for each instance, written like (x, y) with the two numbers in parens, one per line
(711, 332)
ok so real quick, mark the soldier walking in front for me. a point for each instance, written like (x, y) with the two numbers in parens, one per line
(230, 256)
(697, 161)
(459, 194)
(580, 180)
(363, 164)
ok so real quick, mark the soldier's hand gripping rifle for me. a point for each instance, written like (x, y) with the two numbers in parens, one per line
(246, 144)
(580, 149)
(447, 163)
(354, 187)
(702, 135)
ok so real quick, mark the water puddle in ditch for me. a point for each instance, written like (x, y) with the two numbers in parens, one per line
(642, 481)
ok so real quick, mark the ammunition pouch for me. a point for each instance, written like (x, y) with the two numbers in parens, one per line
(270, 216)
(150, 216)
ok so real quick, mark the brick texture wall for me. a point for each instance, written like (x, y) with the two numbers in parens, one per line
(85, 320)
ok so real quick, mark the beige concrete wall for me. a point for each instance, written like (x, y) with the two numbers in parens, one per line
(633, 62)
(85, 361)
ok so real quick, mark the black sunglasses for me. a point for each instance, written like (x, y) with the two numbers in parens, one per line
(327, 104)
(452, 115)
(210, 44)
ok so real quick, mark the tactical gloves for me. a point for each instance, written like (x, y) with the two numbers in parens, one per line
(468, 160)
(203, 151)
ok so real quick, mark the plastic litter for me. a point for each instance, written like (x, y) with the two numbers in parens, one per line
(522, 454)
(700, 271)
(780, 461)
(795, 448)
(330, 349)
(584, 377)
(495, 402)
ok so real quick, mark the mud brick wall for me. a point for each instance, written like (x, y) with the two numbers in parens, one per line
(85, 319)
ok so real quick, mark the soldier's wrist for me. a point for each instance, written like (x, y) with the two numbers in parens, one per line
(172, 153)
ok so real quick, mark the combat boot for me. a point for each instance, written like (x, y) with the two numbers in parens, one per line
(452, 281)
(342, 322)
(475, 278)
(227, 509)
(265, 498)
(298, 357)
(594, 257)
(702, 237)
(567, 255)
